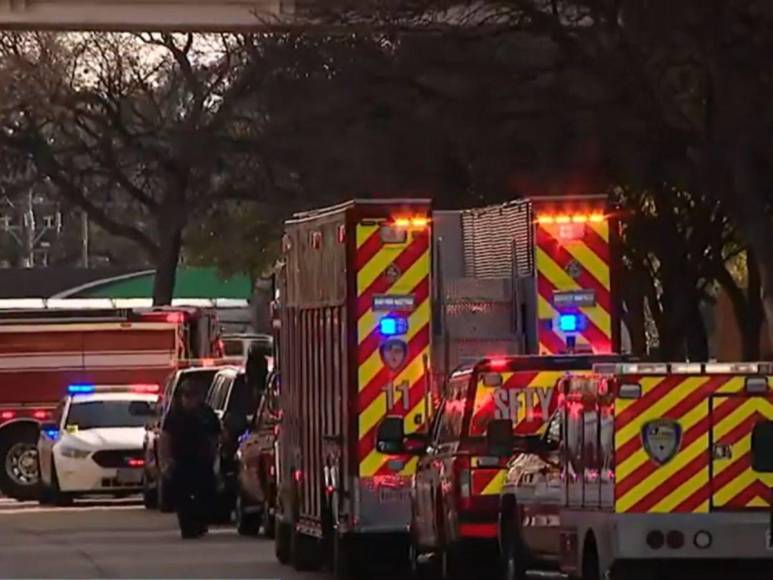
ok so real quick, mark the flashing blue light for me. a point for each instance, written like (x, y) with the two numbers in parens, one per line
(52, 433)
(569, 323)
(388, 326)
(392, 326)
(80, 389)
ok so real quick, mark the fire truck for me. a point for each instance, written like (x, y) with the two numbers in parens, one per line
(647, 470)
(378, 301)
(44, 351)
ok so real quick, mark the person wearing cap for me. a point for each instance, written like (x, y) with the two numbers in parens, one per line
(188, 444)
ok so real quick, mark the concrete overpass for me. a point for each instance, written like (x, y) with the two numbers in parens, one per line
(198, 15)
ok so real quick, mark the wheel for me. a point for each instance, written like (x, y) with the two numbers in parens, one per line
(163, 497)
(19, 471)
(246, 524)
(514, 558)
(305, 552)
(346, 559)
(268, 522)
(149, 494)
(590, 561)
(282, 537)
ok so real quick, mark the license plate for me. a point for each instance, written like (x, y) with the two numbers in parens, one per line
(129, 476)
(393, 494)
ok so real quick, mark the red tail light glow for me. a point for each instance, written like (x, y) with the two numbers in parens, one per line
(175, 317)
(136, 462)
(5, 415)
(151, 389)
(40, 414)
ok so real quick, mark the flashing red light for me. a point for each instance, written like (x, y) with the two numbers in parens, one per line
(498, 363)
(175, 317)
(330, 489)
(207, 362)
(152, 389)
(40, 414)
(5, 415)
(136, 462)
(297, 475)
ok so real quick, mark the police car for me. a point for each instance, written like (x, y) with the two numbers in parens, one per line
(96, 445)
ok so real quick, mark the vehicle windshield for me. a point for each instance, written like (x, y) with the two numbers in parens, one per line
(199, 380)
(103, 414)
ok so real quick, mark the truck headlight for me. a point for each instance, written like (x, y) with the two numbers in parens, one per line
(74, 452)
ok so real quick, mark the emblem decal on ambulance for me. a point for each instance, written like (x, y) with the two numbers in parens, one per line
(661, 439)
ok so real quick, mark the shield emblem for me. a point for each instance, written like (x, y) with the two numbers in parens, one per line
(392, 273)
(574, 269)
(661, 439)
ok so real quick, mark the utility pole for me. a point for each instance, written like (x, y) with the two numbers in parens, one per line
(85, 239)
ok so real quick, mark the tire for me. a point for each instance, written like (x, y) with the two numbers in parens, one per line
(269, 520)
(246, 524)
(590, 560)
(282, 537)
(346, 560)
(19, 470)
(305, 552)
(514, 557)
(163, 498)
(149, 494)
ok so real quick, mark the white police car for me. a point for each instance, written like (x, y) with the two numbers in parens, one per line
(96, 446)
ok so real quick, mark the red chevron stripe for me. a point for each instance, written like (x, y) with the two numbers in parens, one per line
(553, 248)
(691, 435)
(481, 478)
(372, 390)
(597, 244)
(371, 342)
(367, 440)
(676, 412)
(546, 289)
(651, 397)
(410, 254)
(520, 379)
(697, 498)
(666, 488)
(368, 249)
(752, 491)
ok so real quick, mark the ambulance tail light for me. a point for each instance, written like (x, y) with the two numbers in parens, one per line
(463, 479)
(145, 389)
(7, 415)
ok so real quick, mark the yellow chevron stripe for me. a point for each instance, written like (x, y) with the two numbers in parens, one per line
(364, 232)
(602, 229)
(416, 321)
(560, 279)
(588, 259)
(494, 487)
(404, 284)
(681, 493)
(377, 408)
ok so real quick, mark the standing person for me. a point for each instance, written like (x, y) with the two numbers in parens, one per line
(189, 441)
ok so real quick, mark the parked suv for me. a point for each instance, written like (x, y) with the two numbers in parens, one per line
(153, 482)
(234, 402)
(256, 469)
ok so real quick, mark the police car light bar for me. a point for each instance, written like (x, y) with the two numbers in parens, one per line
(145, 389)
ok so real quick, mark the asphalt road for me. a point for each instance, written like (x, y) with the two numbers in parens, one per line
(123, 540)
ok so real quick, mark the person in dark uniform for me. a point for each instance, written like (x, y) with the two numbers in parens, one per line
(189, 442)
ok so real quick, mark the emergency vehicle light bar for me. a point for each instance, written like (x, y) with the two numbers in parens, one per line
(758, 368)
(593, 218)
(149, 389)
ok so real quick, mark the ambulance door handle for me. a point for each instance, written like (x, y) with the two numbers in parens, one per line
(722, 451)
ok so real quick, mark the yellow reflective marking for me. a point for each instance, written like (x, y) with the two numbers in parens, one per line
(562, 281)
(681, 493)
(370, 368)
(597, 267)
(364, 232)
(377, 408)
(602, 229)
(371, 464)
(494, 487)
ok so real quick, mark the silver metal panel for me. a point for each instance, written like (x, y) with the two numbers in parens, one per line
(377, 517)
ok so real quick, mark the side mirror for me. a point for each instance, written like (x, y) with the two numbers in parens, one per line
(390, 436)
(499, 438)
(762, 447)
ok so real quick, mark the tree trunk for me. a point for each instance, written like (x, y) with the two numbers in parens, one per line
(166, 268)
